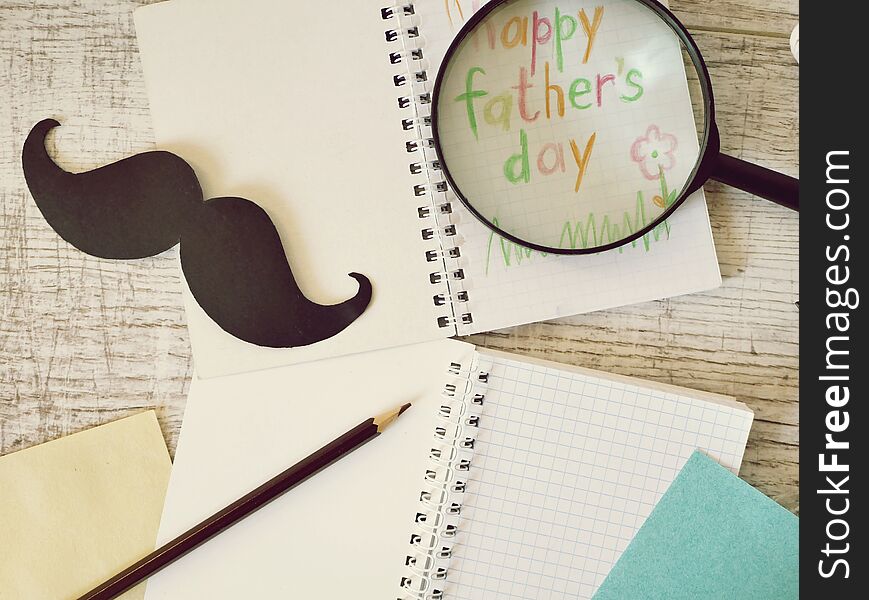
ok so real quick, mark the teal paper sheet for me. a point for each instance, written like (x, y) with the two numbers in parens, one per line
(711, 536)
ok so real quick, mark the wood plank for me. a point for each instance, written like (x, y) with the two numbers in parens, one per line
(770, 18)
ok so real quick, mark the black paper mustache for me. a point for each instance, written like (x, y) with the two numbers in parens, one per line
(231, 253)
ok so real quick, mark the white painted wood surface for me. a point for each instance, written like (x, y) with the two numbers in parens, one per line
(84, 341)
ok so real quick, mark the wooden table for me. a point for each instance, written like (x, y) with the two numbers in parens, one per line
(84, 341)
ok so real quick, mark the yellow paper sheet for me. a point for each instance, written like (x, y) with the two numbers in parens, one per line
(76, 510)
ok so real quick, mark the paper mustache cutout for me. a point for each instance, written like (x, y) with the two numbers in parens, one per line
(231, 253)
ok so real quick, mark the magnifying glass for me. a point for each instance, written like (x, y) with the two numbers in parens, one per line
(554, 116)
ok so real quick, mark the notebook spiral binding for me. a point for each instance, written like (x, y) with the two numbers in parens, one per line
(444, 254)
(436, 523)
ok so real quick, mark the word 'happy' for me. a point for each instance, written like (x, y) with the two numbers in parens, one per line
(536, 97)
(516, 32)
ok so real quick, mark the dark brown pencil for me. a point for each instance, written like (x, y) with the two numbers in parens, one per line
(244, 506)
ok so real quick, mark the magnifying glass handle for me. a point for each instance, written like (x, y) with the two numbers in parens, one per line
(772, 185)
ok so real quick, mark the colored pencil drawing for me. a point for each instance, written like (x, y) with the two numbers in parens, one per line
(456, 14)
(591, 232)
(654, 150)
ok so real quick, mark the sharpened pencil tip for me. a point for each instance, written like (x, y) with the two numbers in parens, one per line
(383, 421)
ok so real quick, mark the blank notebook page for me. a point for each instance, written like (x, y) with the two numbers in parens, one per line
(566, 469)
(292, 105)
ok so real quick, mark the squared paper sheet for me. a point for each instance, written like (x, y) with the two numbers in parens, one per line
(509, 285)
(342, 534)
(567, 466)
(75, 511)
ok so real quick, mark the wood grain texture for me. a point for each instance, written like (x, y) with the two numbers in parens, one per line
(84, 341)
(768, 18)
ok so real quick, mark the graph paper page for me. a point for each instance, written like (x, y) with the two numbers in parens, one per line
(509, 285)
(567, 466)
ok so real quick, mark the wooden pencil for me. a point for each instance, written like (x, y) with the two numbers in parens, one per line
(244, 506)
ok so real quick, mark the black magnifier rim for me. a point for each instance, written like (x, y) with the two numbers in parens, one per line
(694, 182)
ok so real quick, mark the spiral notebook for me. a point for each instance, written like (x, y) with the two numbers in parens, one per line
(319, 113)
(508, 478)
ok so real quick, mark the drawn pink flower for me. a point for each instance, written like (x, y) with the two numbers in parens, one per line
(654, 152)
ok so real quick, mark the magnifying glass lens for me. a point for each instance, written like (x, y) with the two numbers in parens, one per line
(568, 125)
